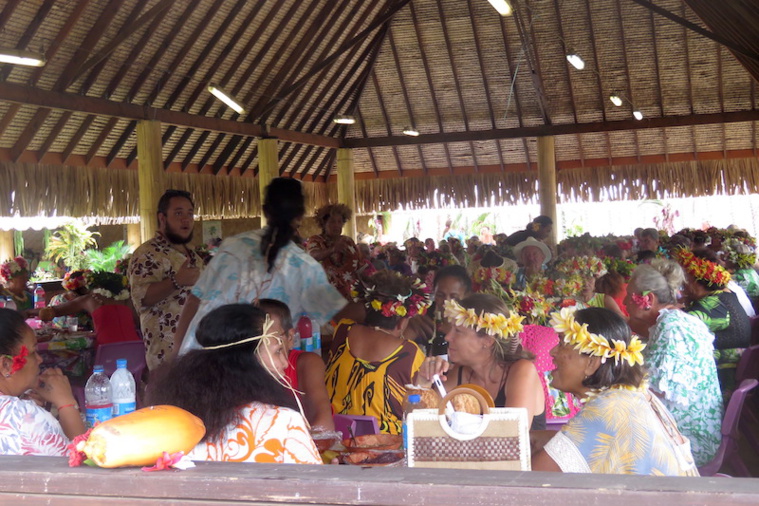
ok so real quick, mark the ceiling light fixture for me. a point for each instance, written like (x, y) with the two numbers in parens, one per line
(638, 115)
(21, 57)
(576, 61)
(413, 132)
(616, 100)
(502, 6)
(344, 119)
(226, 98)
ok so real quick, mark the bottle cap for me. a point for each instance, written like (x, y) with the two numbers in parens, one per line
(121, 363)
(414, 398)
(97, 368)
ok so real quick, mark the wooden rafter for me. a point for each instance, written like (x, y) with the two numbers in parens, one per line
(7, 11)
(485, 82)
(316, 121)
(355, 94)
(360, 118)
(54, 133)
(602, 95)
(180, 56)
(197, 92)
(29, 33)
(125, 32)
(275, 60)
(98, 106)
(659, 94)
(721, 95)
(690, 82)
(321, 85)
(212, 101)
(513, 74)
(300, 55)
(67, 76)
(568, 70)
(95, 73)
(428, 74)
(631, 95)
(529, 45)
(456, 81)
(404, 89)
(93, 151)
(561, 129)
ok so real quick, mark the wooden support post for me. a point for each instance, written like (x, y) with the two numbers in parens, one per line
(134, 239)
(268, 168)
(6, 245)
(547, 182)
(346, 188)
(150, 175)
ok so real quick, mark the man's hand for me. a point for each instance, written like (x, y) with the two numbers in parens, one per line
(187, 275)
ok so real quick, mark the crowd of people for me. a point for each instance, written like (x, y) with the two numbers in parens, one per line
(631, 339)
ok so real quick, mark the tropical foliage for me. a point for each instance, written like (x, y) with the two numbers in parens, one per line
(68, 244)
(106, 259)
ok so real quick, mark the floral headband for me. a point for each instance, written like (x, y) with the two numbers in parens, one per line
(73, 283)
(19, 361)
(108, 284)
(597, 345)
(742, 260)
(496, 325)
(13, 267)
(502, 275)
(583, 265)
(702, 269)
(414, 303)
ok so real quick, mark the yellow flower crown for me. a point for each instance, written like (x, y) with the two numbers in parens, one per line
(493, 324)
(594, 344)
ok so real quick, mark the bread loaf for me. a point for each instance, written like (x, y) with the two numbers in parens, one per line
(140, 437)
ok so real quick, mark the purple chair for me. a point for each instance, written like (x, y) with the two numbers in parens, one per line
(748, 368)
(728, 449)
(133, 351)
(359, 424)
(754, 329)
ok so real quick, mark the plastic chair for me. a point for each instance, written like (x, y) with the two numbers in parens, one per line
(748, 366)
(359, 424)
(728, 449)
(133, 351)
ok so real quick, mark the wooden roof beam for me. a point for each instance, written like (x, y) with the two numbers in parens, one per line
(456, 82)
(485, 82)
(564, 129)
(125, 32)
(431, 85)
(100, 107)
(603, 97)
(406, 99)
(29, 33)
(630, 95)
(660, 95)
(527, 36)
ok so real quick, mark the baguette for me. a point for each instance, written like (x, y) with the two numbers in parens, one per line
(140, 437)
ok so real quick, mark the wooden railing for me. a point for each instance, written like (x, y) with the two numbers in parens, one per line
(49, 480)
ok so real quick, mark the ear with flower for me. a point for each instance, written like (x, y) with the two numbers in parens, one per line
(18, 360)
(14, 267)
(578, 336)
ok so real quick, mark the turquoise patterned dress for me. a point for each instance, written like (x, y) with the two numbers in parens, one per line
(748, 279)
(680, 361)
(238, 274)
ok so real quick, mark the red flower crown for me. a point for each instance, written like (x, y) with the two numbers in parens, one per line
(702, 269)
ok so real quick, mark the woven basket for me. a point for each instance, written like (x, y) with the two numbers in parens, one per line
(501, 442)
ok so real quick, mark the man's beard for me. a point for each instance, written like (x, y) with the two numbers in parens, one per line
(175, 238)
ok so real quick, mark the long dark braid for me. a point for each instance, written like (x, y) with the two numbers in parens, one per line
(284, 203)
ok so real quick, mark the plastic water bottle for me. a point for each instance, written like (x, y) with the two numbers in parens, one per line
(124, 389)
(98, 397)
(316, 335)
(305, 330)
(414, 402)
(39, 297)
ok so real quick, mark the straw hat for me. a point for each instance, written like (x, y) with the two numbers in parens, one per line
(531, 241)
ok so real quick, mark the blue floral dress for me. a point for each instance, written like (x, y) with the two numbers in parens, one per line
(680, 361)
(238, 274)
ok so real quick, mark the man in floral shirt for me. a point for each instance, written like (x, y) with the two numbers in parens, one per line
(161, 274)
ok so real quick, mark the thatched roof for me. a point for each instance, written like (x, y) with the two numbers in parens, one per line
(477, 86)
